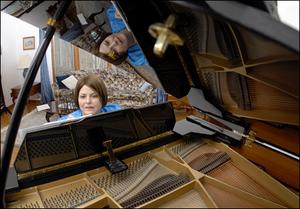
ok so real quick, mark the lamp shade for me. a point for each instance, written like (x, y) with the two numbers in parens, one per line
(24, 61)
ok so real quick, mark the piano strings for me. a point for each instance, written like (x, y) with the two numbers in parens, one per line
(156, 188)
(205, 158)
(147, 179)
(126, 187)
(189, 199)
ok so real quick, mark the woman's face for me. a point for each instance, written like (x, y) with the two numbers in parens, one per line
(89, 101)
(117, 43)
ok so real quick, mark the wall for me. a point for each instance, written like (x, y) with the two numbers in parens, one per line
(12, 32)
(288, 12)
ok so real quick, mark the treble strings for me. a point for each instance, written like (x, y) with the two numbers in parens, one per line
(145, 179)
(218, 164)
(209, 161)
(155, 189)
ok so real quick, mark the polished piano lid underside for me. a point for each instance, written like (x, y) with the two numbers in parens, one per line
(244, 59)
(67, 146)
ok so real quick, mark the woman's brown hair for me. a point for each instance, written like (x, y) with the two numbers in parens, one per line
(94, 82)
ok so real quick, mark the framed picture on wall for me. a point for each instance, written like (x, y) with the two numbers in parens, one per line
(28, 43)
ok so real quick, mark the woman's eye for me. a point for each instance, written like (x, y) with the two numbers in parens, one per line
(81, 96)
(95, 96)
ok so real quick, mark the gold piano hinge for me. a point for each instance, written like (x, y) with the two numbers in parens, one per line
(92, 157)
(138, 143)
(54, 23)
(165, 35)
(250, 138)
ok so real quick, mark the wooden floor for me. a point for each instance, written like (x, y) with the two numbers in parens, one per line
(5, 116)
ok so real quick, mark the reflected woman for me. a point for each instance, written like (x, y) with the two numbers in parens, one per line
(115, 46)
(119, 45)
(91, 98)
(121, 42)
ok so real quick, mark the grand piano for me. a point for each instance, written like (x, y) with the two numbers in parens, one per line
(236, 146)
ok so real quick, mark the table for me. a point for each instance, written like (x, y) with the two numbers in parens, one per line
(36, 88)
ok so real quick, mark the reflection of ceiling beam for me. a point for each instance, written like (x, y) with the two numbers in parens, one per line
(268, 82)
(5, 4)
(266, 115)
(244, 70)
(243, 66)
(210, 61)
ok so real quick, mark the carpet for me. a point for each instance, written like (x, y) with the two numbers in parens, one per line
(34, 118)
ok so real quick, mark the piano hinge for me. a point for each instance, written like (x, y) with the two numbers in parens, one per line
(250, 138)
(218, 125)
(165, 35)
(54, 23)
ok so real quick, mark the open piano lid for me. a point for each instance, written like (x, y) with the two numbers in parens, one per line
(245, 60)
(239, 54)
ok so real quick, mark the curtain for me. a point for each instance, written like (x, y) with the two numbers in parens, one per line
(90, 62)
(63, 56)
(46, 90)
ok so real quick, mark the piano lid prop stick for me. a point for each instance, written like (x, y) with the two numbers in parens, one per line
(20, 105)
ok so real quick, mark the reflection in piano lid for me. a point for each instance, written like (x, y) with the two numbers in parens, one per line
(79, 142)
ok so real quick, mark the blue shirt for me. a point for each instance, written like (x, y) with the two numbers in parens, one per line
(135, 54)
(107, 108)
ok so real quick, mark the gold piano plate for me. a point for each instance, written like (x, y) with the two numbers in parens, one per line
(163, 178)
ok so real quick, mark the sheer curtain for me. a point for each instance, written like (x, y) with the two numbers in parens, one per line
(63, 56)
(46, 90)
(90, 62)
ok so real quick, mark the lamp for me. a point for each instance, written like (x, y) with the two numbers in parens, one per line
(23, 63)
